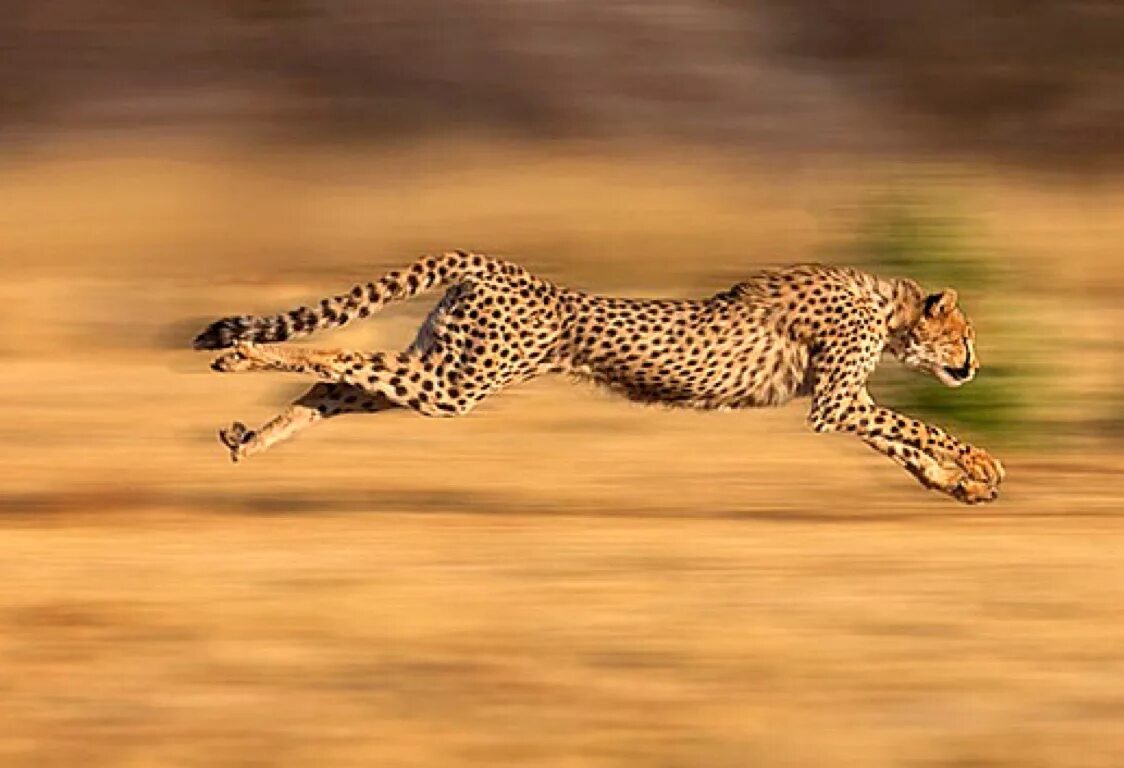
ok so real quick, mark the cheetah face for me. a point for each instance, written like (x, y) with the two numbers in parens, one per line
(942, 342)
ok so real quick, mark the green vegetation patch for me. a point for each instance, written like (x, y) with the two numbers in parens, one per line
(905, 234)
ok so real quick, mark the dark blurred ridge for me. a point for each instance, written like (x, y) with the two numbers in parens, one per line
(1031, 80)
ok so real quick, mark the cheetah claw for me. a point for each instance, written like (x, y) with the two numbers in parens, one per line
(235, 438)
(243, 356)
(981, 466)
(969, 491)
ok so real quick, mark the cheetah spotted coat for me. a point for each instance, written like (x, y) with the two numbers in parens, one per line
(805, 330)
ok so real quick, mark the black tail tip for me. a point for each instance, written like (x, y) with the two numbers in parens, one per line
(222, 334)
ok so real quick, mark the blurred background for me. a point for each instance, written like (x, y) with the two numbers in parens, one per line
(561, 578)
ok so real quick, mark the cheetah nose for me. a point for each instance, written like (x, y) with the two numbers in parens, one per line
(968, 370)
(962, 374)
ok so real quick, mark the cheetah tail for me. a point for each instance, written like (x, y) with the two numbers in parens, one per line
(362, 301)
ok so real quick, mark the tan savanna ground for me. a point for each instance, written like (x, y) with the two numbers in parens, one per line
(562, 578)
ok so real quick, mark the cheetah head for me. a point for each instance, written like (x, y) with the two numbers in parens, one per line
(942, 342)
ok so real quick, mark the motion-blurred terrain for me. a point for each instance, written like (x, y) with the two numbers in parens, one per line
(561, 578)
(1037, 81)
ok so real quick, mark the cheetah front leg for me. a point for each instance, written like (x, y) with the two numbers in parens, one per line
(937, 459)
(841, 403)
(946, 477)
(934, 456)
(321, 402)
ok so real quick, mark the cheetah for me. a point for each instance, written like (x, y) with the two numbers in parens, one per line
(808, 330)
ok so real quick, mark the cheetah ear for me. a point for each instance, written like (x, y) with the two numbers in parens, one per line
(937, 304)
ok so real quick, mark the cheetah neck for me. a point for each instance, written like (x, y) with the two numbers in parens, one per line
(902, 300)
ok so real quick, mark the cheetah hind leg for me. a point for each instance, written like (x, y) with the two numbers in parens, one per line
(320, 402)
(403, 378)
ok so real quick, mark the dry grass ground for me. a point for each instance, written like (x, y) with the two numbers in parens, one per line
(561, 579)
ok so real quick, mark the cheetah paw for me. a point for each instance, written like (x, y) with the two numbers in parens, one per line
(969, 491)
(981, 466)
(239, 358)
(235, 437)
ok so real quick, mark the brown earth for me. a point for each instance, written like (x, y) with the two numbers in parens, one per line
(560, 579)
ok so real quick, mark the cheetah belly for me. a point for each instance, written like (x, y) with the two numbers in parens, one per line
(782, 375)
(767, 372)
(707, 374)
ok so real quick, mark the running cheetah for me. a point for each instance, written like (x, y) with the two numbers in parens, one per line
(804, 330)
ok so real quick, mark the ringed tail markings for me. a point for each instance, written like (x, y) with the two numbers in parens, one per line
(362, 301)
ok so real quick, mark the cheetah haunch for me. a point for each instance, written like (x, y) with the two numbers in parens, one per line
(795, 331)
